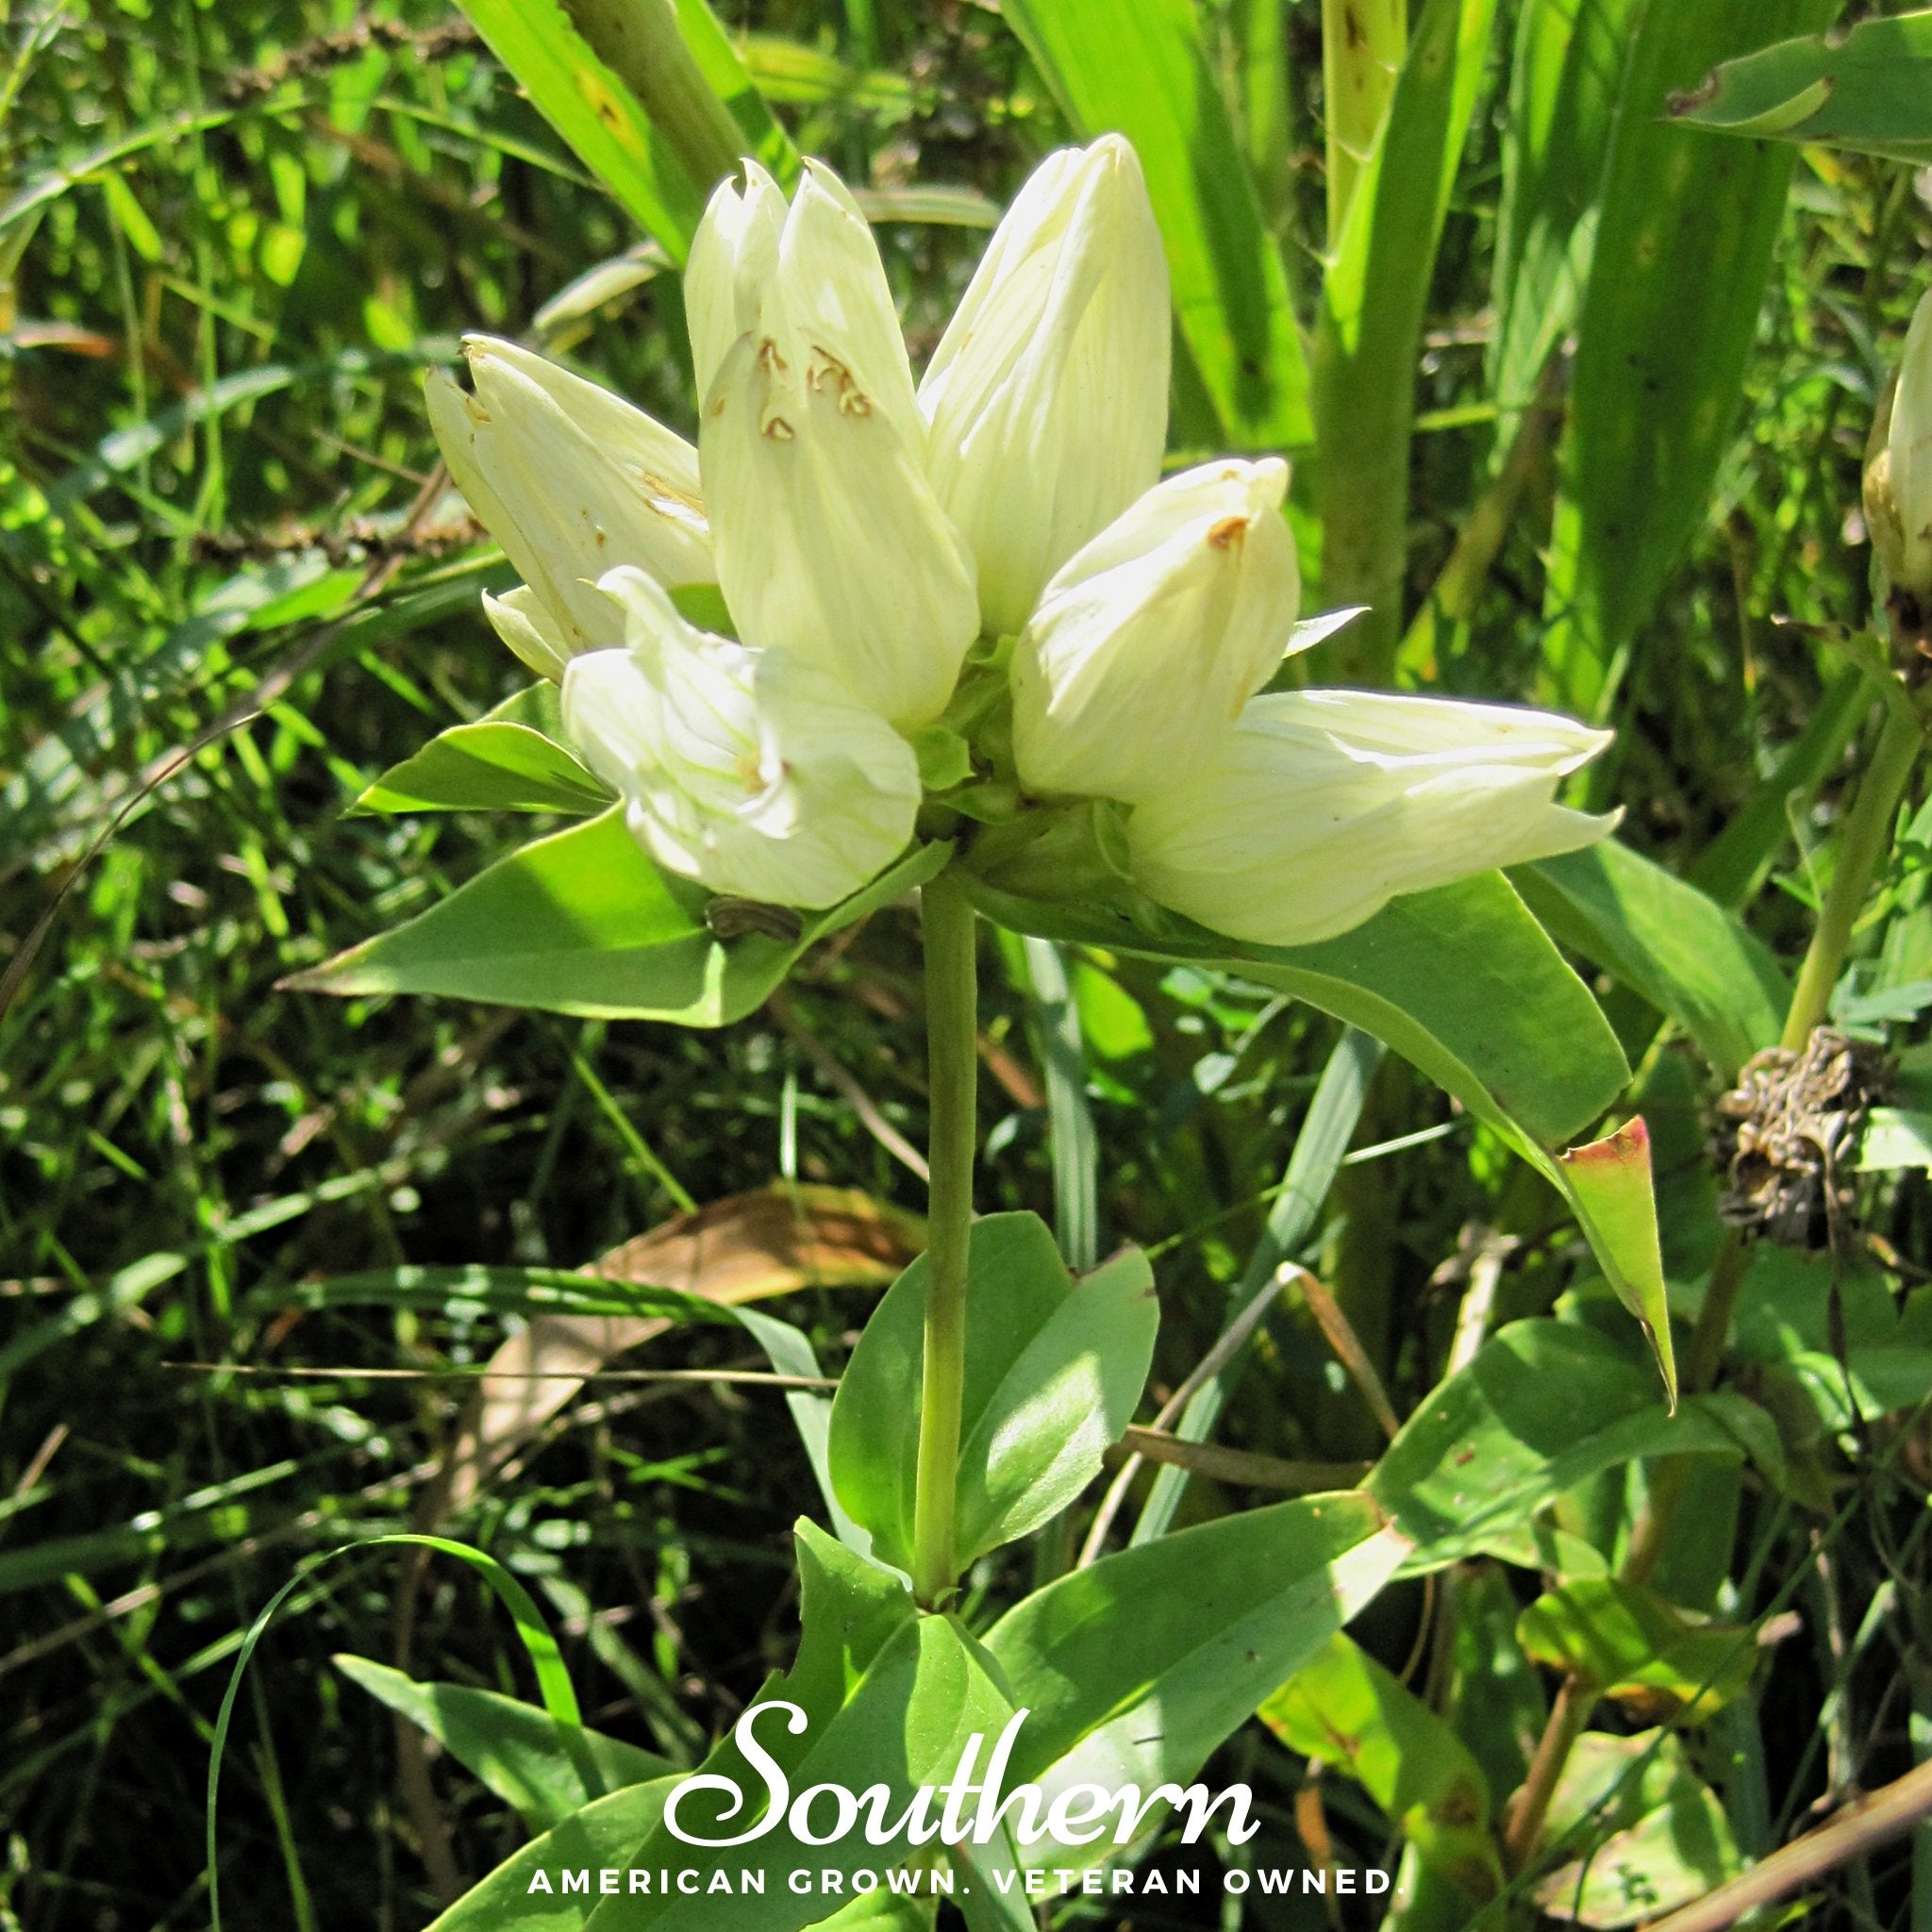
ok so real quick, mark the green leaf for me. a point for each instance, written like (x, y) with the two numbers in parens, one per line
(1460, 981)
(1610, 1185)
(598, 1836)
(1465, 985)
(717, 60)
(516, 1749)
(1134, 1669)
(1666, 941)
(487, 767)
(596, 113)
(1683, 248)
(1140, 68)
(904, 1724)
(1344, 1709)
(1369, 332)
(1563, 86)
(1814, 1320)
(1895, 1137)
(582, 923)
(1868, 89)
(1628, 1644)
(1669, 1842)
(1544, 1405)
(1054, 1370)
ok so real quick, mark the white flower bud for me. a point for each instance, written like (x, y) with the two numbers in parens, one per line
(1907, 545)
(573, 482)
(830, 545)
(809, 276)
(1150, 639)
(1323, 805)
(748, 771)
(1046, 399)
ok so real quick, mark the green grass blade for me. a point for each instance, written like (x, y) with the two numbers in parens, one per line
(1683, 250)
(1370, 331)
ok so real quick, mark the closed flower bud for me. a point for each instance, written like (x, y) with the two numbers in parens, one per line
(1046, 399)
(830, 544)
(1322, 806)
(752, 773)
(1898, 475)
(573, 482)
(1150, 640)
(809, 276)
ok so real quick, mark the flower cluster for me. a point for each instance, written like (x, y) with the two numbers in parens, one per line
(872, 539)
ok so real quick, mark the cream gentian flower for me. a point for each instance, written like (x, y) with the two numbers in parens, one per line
(1046, 399)
(1898, 477)
(571, 482)
(831, 545)
(754, 772)
(1320, 807)
(1151, 637)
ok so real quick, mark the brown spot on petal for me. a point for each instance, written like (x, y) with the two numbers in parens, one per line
(769, 358)
(778, 430)
(1228, 532)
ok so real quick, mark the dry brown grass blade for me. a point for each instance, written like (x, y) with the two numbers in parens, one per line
(740, 1249)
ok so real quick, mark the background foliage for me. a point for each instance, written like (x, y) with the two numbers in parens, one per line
(233, 236)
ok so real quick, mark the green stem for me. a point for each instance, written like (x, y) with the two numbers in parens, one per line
(1867, 838)
(639, 42)
(951, 990)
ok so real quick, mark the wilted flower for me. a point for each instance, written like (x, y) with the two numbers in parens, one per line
(1320, 807)
(1151, 637)
(571, 482)
(1898, 472)
(751, 772)
(1046, 398)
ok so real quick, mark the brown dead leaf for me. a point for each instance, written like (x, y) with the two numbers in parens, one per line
(740, 1249)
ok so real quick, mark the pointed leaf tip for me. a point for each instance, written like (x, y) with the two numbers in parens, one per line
(1609, 1183)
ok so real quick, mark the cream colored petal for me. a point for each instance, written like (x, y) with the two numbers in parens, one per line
(829, 544)
(756, 776)
(519, 618)
(734, 256)
(571, 481)
(1046, 399)
(1150, 638)
(1324, 805)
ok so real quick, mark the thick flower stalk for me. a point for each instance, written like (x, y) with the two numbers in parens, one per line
(884, 547)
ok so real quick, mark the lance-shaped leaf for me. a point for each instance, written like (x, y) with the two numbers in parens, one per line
(514, 1748)
(1628, 1644)
(1682, 952)
(1608, 1185)
(1663, 340)
(488, 766)
(1054, 1369)
(1868, 87)
(1463, 983)
(1134, 1669)
(1543, 1407)
(1344, 1709)
(582, 923)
